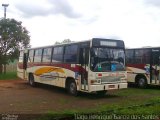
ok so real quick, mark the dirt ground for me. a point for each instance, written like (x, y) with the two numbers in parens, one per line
(17, 96)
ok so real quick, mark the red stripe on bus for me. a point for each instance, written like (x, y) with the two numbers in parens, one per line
(77, 68)
(140, 66)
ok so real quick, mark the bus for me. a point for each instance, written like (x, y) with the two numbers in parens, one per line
(95, 65)
(143, 66)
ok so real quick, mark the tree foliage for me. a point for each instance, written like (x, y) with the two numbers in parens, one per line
(64, 41)
(13, 36)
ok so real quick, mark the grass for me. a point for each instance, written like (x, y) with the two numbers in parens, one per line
(8, 76)
(147, 111)
(143, 103)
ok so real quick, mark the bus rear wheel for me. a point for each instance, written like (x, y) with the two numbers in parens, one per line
(72, 88)
(141, 82)
(31, 80)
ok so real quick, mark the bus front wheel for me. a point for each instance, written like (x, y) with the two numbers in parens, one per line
(31, 80)
(72, 88)
(141, 82)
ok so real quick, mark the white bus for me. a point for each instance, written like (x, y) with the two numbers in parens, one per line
(96, 65)
(143, 66)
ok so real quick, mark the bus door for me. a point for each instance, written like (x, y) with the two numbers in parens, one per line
(155, 63)
(24, 65)
(84, 60)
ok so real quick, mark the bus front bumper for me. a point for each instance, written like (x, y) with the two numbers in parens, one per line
(106, 87)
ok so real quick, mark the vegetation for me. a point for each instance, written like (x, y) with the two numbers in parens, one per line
(8, 76)
(150, 110)
(132, 102)
(64, 41)
(13, 36)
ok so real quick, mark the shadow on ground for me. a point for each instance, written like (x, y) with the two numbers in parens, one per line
(156, 87)
(85, 95)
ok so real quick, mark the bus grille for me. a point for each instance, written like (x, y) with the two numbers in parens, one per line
(110, 79)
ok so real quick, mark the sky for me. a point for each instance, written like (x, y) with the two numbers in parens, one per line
(136, 22)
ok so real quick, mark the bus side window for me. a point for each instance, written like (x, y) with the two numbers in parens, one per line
(57, 56)
(38, 55)
(47, 55)
(30, 55)
(130, 56)
(70, 54)
(146, 56)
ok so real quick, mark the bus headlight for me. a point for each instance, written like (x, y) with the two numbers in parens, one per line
(98, 81)
(123, 80)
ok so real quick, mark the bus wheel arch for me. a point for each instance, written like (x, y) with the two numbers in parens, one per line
(71, 86)
(31, 79)
(141, 81)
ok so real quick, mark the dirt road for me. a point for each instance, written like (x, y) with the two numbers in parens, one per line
(17, 96)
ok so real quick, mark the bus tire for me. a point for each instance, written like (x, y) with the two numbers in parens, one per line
(31, 80)
(141, 82)
(72, 88)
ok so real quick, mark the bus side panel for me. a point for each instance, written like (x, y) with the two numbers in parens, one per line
(20, 70)
(132, 72)
(131, 77)
(55, 74)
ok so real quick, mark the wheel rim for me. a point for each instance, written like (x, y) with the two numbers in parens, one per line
(72, 88)
(31, 80)
(141, 82)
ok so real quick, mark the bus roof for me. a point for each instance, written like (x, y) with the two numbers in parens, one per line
(72, 43)
(59, 44)
(146, 47)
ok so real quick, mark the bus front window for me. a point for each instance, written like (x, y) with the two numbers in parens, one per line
(107, 59)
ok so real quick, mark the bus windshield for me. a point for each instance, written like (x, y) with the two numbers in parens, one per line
(107, 59)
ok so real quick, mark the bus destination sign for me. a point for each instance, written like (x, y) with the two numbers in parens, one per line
(108, 43)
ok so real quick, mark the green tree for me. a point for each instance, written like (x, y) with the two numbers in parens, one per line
(67, 41)
(57, 43)
(64, 41)
(13, 37)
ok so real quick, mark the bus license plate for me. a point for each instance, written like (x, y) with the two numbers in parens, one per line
(111, 86)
